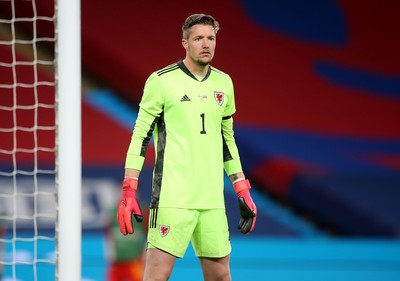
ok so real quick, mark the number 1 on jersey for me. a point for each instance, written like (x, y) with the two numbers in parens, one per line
(203, 131)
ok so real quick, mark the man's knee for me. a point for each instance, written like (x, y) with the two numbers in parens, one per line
(221, 276)
(216, 269)
(158, 266)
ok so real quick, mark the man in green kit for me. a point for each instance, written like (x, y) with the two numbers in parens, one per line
(187, 107)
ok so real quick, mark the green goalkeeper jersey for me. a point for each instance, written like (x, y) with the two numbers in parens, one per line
(191, 122)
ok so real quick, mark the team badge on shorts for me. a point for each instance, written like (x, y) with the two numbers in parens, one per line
(219, 97)
(164, 230)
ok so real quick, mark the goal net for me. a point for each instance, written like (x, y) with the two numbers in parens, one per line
(29, 167)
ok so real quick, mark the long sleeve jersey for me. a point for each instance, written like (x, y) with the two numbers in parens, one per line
(192, 126)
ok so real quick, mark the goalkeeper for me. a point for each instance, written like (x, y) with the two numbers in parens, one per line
(187, 107)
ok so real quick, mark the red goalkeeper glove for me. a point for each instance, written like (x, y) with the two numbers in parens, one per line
(248, 210)
(128, 206)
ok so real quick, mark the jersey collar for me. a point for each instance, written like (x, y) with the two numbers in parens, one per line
(183, 67)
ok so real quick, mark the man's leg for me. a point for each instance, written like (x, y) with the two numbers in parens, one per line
(216, 269)
(212, 245)
(158, 265)
(170, 231)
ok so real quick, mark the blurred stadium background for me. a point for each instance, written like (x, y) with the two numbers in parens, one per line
(318, 97)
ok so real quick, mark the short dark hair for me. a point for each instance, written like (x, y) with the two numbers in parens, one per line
(198, 19)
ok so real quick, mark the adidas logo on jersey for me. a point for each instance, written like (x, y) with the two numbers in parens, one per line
(185, 98)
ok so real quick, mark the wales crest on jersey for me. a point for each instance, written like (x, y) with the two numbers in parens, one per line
(219, 97)
(164, 230)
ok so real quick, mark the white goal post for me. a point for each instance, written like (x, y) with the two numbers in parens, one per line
(68, 54)
(40, 140)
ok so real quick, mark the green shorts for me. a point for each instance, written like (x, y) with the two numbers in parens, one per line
(172, 229)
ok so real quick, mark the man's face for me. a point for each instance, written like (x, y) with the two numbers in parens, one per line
(200, 46)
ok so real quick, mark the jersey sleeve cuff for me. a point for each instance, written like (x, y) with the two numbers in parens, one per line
(233, 166)
(134, 162)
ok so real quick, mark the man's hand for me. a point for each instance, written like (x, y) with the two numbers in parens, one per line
(128, 206)
(248, 210)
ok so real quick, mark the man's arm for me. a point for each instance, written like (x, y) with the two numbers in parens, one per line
(151, 106)
(233, 167)
(236, 177)
(132, 173)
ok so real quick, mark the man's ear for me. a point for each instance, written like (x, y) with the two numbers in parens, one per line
(184, 43)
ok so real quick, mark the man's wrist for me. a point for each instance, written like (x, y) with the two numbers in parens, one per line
(237, 180)
(130, 183)
(241, 185)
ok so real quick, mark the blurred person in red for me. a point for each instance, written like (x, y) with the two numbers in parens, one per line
(126, 253)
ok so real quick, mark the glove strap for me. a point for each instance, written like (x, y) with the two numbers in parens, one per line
(130, 182)
(241, 185)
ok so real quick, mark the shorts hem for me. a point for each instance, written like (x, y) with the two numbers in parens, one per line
(214, 256)
(164, 249)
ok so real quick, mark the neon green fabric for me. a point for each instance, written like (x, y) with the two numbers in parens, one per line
(193, 135)
(207, 230)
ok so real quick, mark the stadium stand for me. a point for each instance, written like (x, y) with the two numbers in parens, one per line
(317, 88)
(327, 91)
